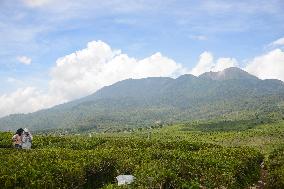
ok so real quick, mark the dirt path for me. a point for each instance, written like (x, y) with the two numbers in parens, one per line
(263, 179)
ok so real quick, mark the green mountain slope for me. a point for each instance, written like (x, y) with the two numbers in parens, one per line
(229, 94)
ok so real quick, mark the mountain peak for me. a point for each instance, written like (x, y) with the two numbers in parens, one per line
(227, 74)
(186, 76)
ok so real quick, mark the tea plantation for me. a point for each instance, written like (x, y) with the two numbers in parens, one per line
(177, 156)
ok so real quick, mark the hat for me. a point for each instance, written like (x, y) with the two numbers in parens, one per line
(26, 130)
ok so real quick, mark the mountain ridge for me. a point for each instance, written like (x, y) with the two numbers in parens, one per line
(140, 102)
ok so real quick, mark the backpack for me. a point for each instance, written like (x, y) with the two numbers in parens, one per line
(26, 138)
(26, 142)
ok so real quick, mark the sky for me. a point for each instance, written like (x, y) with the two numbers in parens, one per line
(54, 51)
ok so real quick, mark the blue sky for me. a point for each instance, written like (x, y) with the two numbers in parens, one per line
(44, 30)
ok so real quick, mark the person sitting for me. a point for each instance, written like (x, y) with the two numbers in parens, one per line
(17, 139)
(26, 139)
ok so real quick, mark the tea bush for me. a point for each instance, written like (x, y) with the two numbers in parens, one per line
(94, 162)
(276, 168)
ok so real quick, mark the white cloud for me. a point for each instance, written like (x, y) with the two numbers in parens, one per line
(36, 3)
(125, 21)
(206, 63)
(268, 66)
(244, 7)
(24, 60)
(223, 63)
(12, 80)
(87, 70)
(199, 37)
(278, 42)
(24, 100)
(89, 7)
(84, 72)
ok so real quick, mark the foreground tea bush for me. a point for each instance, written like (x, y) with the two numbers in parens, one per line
(55, 168)
(5, 139)
(94, 162)
(211, 168)
(276, 168)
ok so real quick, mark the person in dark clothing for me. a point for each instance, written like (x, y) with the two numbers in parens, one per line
(17, 138)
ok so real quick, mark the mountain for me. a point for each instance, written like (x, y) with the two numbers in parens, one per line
(228, 94)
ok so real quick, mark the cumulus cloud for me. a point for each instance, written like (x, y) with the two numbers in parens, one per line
(84, 72)
(268, 66)
(24, 100)
(36, 3)
(223, 63)
(87, 70)
(278, 42)
(206, 63)
(24, 60)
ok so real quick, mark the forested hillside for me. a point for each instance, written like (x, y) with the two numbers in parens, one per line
(230, 94)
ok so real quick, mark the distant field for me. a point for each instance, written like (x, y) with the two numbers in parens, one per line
(192, 155)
